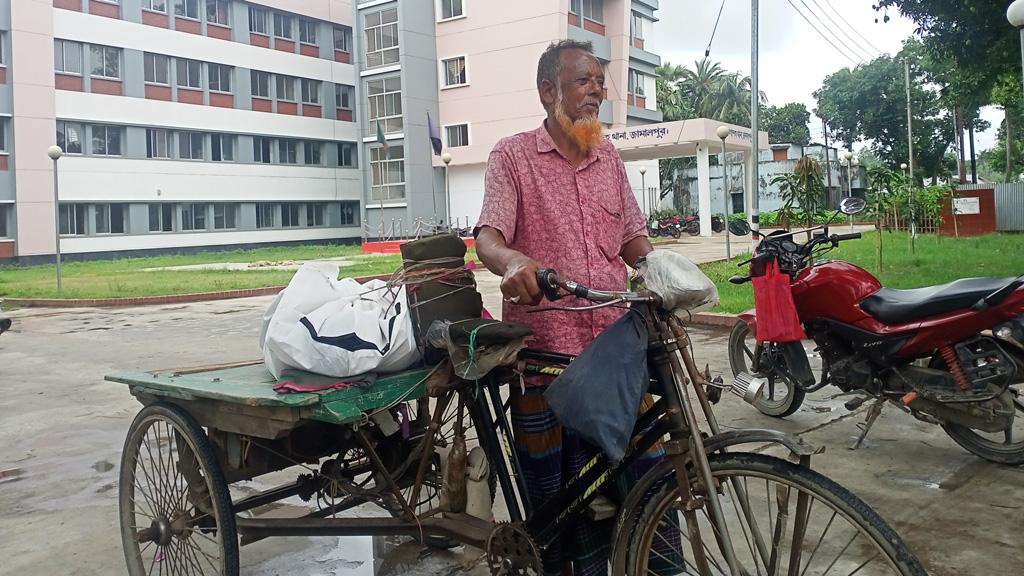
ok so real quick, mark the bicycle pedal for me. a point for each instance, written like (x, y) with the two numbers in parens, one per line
(601, 508)
(852, 405)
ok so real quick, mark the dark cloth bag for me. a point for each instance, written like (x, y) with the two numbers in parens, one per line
(599, 393)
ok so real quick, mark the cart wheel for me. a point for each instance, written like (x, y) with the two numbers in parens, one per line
(176, 513)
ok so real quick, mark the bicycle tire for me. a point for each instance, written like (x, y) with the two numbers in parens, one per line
(174, 559)
(867, 522)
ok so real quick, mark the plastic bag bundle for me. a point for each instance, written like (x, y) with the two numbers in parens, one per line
(678, 281)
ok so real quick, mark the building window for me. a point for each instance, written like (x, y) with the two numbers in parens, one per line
(636, 83)
(311, 153)
(341, 39)
(155, 5)
(285, 88)
(190, 73)
(161, 217)
(67, 56)
(347, 154)
(458, 135)
(290, 212)
(157, 68)
(217, 12)
(287, 151)
(106, 140)
(260, 83)
(316, 214)
(257, 20)
(574, 6)
(3, 134)
(220, 77)
(190, 145)
(222, 148)
(307, 31)
(349, 213)
(261, 149)
(282, 26)
(265, 215)
(72, 219)
(193, 216)
(593, 10)
(385, 104)
(343, 96)
(451, 9)
(224, 216)
(310, 91)
(106, 61)
(4, 215)
(187, 8)
(109, 218)
(636, 27)
(388, 170)
(454, 71)
(69, 137)
(158, 143)
(381, 37)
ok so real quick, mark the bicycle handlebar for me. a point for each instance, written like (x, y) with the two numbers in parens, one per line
(553, 286)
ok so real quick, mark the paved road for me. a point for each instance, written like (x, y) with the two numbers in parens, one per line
(62, 427)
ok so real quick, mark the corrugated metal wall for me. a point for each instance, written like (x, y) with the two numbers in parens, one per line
(1009, 204)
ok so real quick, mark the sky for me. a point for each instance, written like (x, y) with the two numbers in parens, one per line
(794, 58)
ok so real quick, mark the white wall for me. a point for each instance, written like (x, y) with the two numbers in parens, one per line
(184, 239)
(651, 92)
(637, 181)
(467, 191)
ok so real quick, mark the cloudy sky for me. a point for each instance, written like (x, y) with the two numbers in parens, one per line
(794, 58)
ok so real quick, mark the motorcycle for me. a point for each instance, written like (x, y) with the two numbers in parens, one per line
(693, 224)
(665, 226)
(951, 355)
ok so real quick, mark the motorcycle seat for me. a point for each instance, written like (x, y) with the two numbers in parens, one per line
(892, 306)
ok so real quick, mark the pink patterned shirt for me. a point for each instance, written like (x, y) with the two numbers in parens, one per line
(573, 219)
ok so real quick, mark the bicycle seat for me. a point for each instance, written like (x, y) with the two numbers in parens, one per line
(892, 306)
(488, 332)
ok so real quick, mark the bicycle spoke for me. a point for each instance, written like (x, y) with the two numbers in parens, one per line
(836, 559)
(866, 562)
(821, 539)
(206, 556)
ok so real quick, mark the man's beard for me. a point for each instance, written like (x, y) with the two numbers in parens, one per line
(585, 133)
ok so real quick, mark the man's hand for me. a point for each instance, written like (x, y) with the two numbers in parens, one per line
(519, 284)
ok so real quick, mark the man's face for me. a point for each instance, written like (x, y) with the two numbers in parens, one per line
(581, 85)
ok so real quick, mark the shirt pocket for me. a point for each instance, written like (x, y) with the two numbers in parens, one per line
(610, 230)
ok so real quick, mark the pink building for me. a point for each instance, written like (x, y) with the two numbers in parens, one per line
(200, 123)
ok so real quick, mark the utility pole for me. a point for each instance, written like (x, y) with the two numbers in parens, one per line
(974, 158)
(755, 117)
(828, 169)
(910, 148)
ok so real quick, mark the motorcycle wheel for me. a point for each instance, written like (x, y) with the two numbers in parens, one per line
(674, 231)
(653, 232)
(693, 228)
(783, 397)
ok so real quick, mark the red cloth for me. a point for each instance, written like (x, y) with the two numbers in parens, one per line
(289, 387)
(575, 219)
(777, 318)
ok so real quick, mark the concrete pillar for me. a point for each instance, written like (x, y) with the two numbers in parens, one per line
(704, 189)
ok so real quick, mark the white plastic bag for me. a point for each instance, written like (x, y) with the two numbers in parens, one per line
(338, 328)
(678, 281)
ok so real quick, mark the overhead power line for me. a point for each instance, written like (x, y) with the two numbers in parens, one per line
(824, 36)
(843, 30)
(707, 51)
(855, 31)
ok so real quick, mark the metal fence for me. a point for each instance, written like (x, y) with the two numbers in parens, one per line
(1009, 204)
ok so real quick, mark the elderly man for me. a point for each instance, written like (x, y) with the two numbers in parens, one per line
(558, 197)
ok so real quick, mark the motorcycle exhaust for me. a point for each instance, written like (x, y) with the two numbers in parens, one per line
(749, 387)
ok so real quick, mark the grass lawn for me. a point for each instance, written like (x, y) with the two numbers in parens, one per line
(129, 277)
(936, 261)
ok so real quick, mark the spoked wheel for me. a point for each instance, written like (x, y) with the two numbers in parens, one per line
(782, 397)
(1004, 447)
(176, 514)
(781, 519)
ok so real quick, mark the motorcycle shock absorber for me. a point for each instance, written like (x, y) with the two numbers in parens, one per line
(953, 363)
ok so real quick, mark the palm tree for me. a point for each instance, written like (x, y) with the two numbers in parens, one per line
(716, 93)
(670, 101)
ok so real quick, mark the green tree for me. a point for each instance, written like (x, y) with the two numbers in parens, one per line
(1007, 94)
(787, 124)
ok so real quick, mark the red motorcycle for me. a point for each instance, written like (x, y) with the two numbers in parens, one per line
(951, 355)
(665, 226)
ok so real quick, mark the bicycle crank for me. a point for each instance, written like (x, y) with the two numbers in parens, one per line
(512, 552)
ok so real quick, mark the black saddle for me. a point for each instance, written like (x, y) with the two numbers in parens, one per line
(893, 306)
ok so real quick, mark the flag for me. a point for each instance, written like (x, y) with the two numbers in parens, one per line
(380, 138)
(435, 136)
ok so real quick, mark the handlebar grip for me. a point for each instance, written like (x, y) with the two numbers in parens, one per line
(841, 237)
(547, 280)
(739, 279)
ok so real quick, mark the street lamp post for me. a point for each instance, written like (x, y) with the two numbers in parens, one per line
(447, 159)
(54, 152)
(647, 195)
(856, 167)
(1015, 14)
(723, 133)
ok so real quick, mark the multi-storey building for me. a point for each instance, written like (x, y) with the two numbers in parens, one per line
(198, 123)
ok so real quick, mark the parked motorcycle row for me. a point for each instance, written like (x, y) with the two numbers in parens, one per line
(674, 225)
(951, 355)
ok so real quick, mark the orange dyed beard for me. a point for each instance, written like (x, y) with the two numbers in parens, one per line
(585, 133)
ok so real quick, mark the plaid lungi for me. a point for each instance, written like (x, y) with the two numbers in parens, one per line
(550, 456)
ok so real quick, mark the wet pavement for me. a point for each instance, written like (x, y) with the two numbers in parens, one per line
(62, 427)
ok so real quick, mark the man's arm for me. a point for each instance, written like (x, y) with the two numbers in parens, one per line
(518, 271)
(636, 249)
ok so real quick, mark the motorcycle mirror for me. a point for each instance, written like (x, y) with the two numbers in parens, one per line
(851, 205)
(739, 228)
